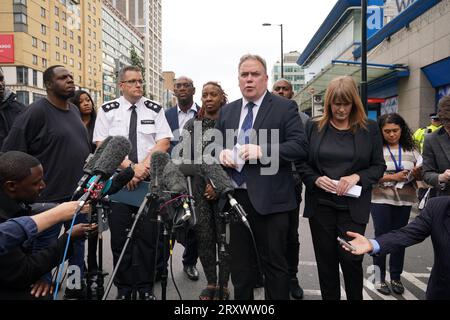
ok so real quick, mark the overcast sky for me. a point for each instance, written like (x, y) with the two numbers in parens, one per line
(204, 39)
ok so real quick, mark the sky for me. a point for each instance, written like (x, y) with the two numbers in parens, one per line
(204, 39)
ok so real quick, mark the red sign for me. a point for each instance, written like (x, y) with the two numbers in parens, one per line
(6, 48)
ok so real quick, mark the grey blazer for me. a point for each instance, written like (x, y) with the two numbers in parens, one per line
(436, 159)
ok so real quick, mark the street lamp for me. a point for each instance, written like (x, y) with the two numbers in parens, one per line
(281, 27)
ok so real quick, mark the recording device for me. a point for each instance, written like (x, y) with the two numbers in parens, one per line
(346, 244)
(221, 182)
(90, 162)
(158, 162)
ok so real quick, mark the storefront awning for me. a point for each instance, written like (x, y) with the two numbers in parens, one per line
(319, 83)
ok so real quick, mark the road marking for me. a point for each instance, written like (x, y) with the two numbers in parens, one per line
(408, 276)
(369, 285)
(421, 275)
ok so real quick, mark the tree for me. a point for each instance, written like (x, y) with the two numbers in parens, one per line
(138, 62)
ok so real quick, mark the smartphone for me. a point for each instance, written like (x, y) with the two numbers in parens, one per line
(346, 244)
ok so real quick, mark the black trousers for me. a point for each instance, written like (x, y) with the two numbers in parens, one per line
(293, 243)
(326, 225)
(270, 236)
(138, 264)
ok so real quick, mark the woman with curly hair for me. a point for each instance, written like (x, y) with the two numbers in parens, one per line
(394, 195)
(209, 225)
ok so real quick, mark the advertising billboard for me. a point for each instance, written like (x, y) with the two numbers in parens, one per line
(6, 48)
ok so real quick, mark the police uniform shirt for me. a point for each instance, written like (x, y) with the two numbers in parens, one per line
(113, 119)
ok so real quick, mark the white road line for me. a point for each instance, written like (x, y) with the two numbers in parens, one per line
(308, 292)
(408, 276)
(421, 275)
(366, 296)
(308, 263)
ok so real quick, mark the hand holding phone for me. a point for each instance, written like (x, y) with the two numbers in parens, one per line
(346, 244)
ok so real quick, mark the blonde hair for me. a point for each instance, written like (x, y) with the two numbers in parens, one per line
(343, 89)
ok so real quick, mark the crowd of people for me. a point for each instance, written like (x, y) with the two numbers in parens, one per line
(352, 168)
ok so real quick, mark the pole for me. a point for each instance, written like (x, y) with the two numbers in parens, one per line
(147, 46)
(364, 54)
(282, 57)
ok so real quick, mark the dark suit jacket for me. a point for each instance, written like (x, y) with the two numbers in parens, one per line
(436, 158)
(368, 164)
(172, 119)
(270, 193)
(434, 220)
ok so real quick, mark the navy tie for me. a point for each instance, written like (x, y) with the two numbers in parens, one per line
(132, 135)
(244, 138)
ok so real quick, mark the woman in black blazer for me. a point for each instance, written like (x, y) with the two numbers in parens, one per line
(345, 149)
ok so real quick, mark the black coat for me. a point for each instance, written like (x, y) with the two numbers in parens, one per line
(9, 110)
(368, 163)
(433, 221)
(270, 193)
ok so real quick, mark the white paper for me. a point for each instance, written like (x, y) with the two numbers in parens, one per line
(237, 159)
(354, 192)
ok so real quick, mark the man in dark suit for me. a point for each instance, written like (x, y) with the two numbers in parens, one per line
(269, 133)
(177, 117)
(434, 220)
(436, 153)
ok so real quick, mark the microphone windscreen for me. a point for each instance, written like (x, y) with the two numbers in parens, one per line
(93, 158)
(112, 156)
(219, 178)
(189, 170)
(174, 180)
(121, 180)
(158, 162)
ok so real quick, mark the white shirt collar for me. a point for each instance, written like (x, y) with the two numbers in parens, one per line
(193, 108)
(257, 102)
(127, 104)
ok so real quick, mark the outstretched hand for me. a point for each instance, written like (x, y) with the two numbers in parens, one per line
(360, 243)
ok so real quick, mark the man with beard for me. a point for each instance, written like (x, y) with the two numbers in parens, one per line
(9, 108)
(51, 130)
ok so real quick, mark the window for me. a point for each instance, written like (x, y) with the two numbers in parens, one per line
(89, 44)
(64, 45)
(79, 65)
(22, 75)
(35, 58)
(71, 48)
(43, 29)
(79, 52)
(37, 96)
(95, 35)
(34, 42)
(64, 31)
(89, 31)
(65, 59)
(71, 62)
(63, 16)
(42, 12)
(23, 97)
(24, 2)
(79, 40)
(56, 11)
(44, 46)
(35, 78)
(44, 62)
(20, 18)
(56, 25)
(57, 56)
(89, 57)
(89, 18)
(57, 41)
(71, 34)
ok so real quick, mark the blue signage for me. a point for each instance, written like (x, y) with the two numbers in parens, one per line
(375, 16)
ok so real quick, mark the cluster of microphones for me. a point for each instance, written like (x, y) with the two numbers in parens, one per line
(170, 183)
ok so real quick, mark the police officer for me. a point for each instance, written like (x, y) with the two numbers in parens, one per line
(145, 125)
(419, 135)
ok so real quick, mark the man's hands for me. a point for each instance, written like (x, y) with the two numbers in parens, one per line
(141, 171)
(445, 176)
(41, 288)
(360, 243)
(80, 230)
(246, 152)
(341, 188)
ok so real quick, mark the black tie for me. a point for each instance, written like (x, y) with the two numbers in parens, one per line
(132, 135)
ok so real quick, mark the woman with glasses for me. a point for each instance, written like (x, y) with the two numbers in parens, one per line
(436, 152)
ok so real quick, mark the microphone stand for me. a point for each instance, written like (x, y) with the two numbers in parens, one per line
(149, 197)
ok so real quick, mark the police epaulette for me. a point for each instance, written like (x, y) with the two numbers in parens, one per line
(110, 106)
(152, 106)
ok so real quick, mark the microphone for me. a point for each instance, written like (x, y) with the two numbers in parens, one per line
(90, 164)
(109, 160)
(189, 170)
(221, 182)
(158, 162)
(119, 181)
(175, 182)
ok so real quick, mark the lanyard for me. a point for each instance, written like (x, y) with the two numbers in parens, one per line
(398, 165)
